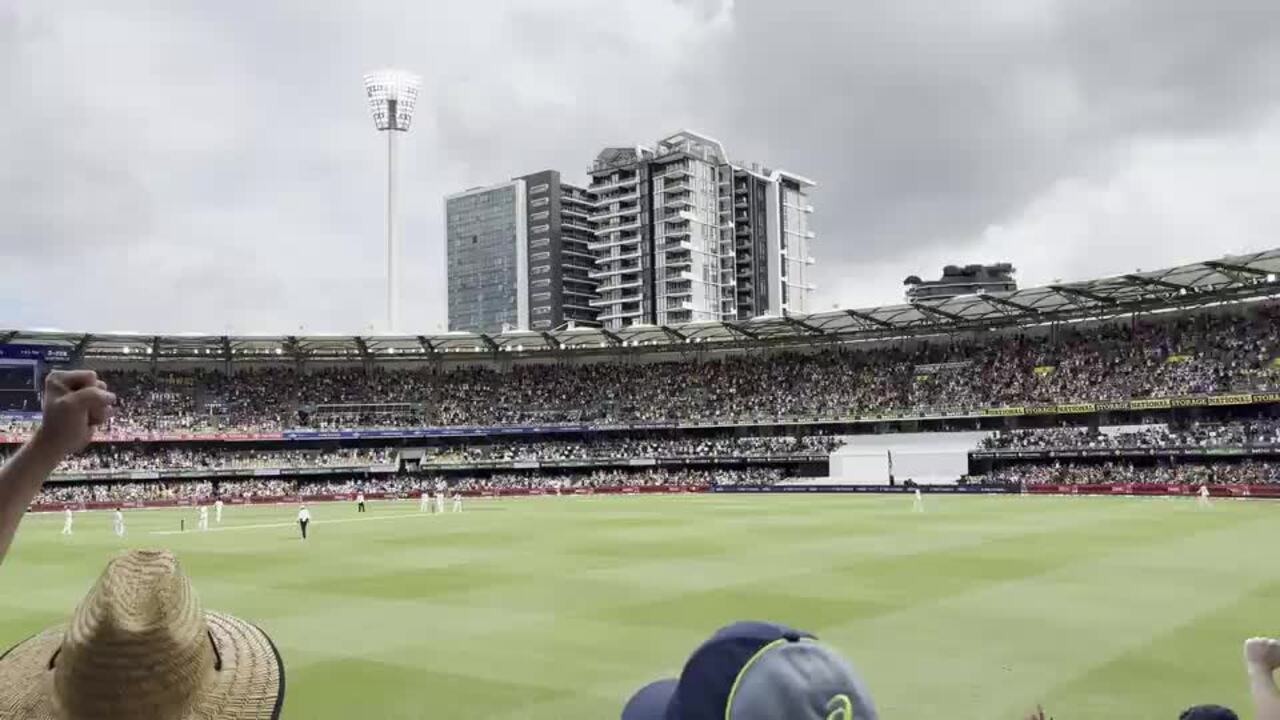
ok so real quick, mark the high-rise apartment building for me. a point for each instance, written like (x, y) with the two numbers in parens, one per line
(771, 242)
(664, 235)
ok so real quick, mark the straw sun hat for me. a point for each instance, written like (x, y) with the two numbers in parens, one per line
(140, 646)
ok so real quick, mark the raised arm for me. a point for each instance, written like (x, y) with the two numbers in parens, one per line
(1261, 658)
(75, 402)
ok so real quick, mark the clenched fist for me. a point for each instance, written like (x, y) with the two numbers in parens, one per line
(1262, 652)
(75, 402)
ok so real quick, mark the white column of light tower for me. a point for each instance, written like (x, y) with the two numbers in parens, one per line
(392, 94)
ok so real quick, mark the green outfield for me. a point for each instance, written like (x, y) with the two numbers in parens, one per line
(556, 608)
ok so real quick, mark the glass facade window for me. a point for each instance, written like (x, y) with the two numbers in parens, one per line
(480, 229)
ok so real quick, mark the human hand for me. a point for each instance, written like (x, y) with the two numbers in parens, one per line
(75, 402)
(1038, 714)
(1262, 652)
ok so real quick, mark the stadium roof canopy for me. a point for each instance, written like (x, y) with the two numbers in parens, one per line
(1228, 279)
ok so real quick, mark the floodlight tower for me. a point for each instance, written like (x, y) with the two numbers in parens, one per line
(392, 94)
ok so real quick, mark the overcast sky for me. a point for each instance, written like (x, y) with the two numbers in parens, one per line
(211, 166)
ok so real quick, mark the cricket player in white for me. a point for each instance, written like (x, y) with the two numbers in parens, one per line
(118, 521)
(304, 519)
(919, 502)
(360, 501)
(1204, 497)
(440, 486)
(67, 519)
(457, 502)
(425, 505)
(217, 512)
(204, 517)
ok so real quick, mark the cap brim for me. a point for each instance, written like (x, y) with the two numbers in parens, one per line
(250, 685)
(651, 702)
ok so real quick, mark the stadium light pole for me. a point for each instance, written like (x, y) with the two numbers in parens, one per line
(392, 94)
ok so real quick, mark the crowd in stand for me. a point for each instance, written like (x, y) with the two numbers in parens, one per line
(1242, 473)
(1195, 435)
(164, 457)
(402, 485)
(635, 448)
(1196, 354)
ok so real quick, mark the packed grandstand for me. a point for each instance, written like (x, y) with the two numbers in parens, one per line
(1169, 378)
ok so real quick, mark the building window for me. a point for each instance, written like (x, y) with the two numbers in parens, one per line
(539, 202)
(540, 228)
(541, 296)
(541, 324)
(538, 189)
(539, 242)
(540, 215)
(541, 283)
(544, 310)
(540, 270)
(540, 256)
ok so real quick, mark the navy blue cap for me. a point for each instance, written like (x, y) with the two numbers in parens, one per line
(757, 671)
(1208, 712)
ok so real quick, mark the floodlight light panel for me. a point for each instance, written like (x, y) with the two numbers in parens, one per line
(392, 95)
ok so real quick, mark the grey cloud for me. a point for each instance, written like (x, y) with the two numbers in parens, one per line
(925, 122)
(211, 165)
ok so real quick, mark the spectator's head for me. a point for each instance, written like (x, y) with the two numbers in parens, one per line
(1208, 712)
(757, 671)
(140, 646)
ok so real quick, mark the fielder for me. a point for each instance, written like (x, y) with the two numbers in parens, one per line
(1203, 500)
(457, 502)
(918, 506)
(118, 522)
(204, 517)
(217, 512)
(360, 502)
(440, 488)
(425, 505)
(67, 519)
(304, 519)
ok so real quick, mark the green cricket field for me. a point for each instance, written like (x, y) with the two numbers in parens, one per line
(558, 608)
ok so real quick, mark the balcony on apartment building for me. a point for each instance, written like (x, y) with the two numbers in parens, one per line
(604, 185)
(578, 226)
(620, 211)
(618, 284)
(614, 268)
(616, 228)
(578, 262)
(612, 240)
(681, 200)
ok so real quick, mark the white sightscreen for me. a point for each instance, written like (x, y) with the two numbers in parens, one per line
(927, 458)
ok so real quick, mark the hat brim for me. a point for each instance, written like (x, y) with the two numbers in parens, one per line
(249, 686)
(651, 701)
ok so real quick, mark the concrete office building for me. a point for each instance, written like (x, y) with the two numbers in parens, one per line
(973, 279)
(518, 256)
